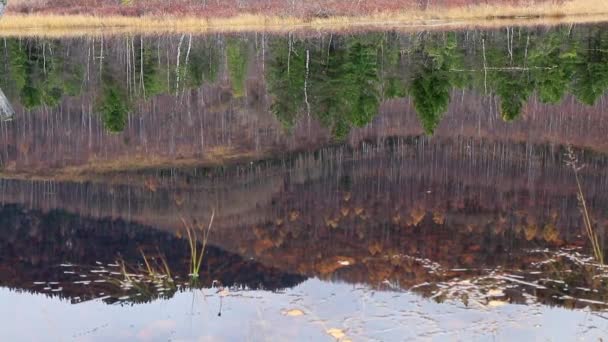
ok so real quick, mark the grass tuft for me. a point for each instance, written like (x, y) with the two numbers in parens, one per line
(196, 255)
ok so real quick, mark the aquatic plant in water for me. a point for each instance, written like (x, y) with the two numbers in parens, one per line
(142, 285)
(589, 228)
(196, 255)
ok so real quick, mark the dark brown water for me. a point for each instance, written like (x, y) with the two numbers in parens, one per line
(380, 186)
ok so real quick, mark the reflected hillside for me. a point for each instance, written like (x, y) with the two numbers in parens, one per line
(112, 103)
(78, 258)
(391, 215)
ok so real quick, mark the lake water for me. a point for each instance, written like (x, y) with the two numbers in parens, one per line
(381, 186)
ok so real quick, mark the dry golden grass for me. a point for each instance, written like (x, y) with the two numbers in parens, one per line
(94, 169)
(575, 11)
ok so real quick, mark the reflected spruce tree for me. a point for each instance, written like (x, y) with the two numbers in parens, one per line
(200, 64)
(514, 89)
(237, 55)
(152, 74)
(509, 76)
(362, 83)
(113, 103)
(554, 62)
(286, 80)
(391, 62)
(590, 79)
(346, 90)
(343, 85)
(431, 85)
(37, 74)
(204, 63)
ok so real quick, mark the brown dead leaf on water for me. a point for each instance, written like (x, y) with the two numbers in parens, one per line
(439, 217)
(331, 223)
(417, 215)
(179, 200)
(374, 248)
(293, 215)
(345, 211)
(347, 197)
(151, 184)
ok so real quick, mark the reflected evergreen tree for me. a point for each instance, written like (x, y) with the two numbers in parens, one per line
(553, 63)
(346, 91)
(286, 78)
(113, 103)
(361, 84)
(510, 78)
(343, 84)
(432, 82)
(591, 68)
(393, 85)
(430, 91)
(39, 74)
(204, 64)
(514, 89)
(237, 56)
(154, 74)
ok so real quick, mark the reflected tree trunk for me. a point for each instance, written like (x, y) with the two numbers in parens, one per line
(6, 110)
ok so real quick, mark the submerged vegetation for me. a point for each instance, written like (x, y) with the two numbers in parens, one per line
(156, 279)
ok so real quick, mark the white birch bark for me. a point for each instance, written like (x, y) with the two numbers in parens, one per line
(6, 110)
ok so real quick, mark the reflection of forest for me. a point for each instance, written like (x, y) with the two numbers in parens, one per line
(126, 102)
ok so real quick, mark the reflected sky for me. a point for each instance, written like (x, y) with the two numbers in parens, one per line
(258, 316)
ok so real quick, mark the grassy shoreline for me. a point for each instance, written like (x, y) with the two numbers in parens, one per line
(482, 16)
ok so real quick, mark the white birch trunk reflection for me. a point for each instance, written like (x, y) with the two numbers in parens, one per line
(6, 110)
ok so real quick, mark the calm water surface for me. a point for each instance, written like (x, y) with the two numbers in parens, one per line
(342, 187)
